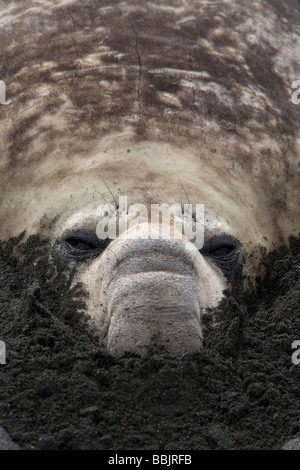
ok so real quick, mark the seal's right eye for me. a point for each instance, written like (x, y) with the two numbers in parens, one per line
(223, 250)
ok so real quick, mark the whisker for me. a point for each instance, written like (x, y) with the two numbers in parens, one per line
(110, 192)
(183, 188)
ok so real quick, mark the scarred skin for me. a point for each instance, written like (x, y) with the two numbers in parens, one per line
(164, 102)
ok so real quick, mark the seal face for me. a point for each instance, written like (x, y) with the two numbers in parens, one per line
(165, 103)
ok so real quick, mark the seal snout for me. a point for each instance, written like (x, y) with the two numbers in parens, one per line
(152, 293)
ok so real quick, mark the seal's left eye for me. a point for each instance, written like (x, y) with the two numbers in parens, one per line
(222, 250)
(225, 252)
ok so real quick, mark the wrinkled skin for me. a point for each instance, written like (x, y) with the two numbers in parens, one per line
(162, 102)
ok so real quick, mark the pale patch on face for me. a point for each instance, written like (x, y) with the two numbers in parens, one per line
(146, 293)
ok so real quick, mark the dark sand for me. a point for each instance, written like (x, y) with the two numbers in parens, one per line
(59, 391)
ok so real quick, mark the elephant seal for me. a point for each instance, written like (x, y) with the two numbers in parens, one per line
(163, 102)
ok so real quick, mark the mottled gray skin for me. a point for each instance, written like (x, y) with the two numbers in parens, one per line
(123, 99)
